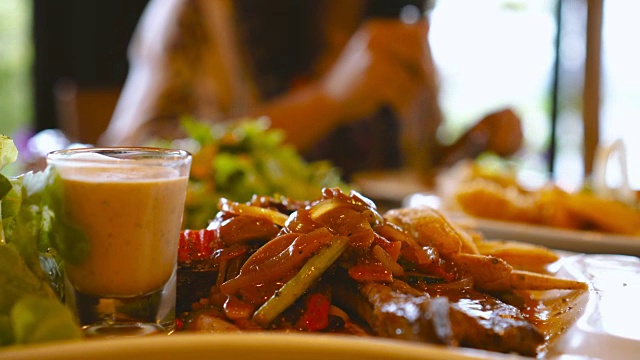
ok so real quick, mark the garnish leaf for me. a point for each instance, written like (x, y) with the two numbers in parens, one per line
(36, 319)
(31, 284)
(8, 151)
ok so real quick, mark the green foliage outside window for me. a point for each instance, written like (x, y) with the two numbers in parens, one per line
(16, 53)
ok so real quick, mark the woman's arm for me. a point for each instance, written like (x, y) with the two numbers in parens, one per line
(382, 65)
(306, 115)
(167, 71)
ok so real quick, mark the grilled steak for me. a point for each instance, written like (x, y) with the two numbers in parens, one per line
(457, 317)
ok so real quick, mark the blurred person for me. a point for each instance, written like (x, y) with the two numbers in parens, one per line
(342, 81)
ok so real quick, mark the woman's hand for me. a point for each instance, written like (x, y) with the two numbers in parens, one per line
(385, 63)
(499, 132)
(503, 132)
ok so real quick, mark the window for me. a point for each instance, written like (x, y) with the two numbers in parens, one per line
(16, 107)
(496, 54)
(620, 91)
(501, 52)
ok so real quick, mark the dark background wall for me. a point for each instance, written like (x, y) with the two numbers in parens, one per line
(84, 41)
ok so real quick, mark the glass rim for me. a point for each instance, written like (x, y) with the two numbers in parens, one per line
(151, 155)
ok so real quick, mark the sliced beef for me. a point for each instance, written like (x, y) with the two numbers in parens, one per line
(456, 317)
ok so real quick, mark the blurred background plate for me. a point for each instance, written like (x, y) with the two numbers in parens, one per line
(561, 239)
(389, 188)
(556, 238)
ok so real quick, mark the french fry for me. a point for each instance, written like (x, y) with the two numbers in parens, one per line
(517, 254)
(488, 272)
(483, 198)
(607, 215)
(552, 208)
(526, 280)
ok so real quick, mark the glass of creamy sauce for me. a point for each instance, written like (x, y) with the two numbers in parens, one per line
(123, 208)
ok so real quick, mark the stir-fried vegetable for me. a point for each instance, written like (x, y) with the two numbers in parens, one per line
(316, 314)
(337, 263)
(294, 288)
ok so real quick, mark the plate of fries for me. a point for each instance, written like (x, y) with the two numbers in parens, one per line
(498, 204)
(583, 241)
(562, 239)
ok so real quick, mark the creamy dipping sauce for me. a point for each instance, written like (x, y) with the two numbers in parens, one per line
(132, 220)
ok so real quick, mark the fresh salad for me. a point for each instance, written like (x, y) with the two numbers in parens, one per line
(31, 308)
(240, 159)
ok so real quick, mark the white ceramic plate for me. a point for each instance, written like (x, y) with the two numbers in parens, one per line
(249, 346)
(606, 328)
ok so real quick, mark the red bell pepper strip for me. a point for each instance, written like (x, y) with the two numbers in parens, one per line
(196, 245)
(316, 315)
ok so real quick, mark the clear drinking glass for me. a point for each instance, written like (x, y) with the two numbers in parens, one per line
(126, 205)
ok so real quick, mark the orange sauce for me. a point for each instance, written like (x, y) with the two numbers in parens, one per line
(132, 224)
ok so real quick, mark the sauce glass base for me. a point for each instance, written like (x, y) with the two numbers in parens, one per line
(148, 314)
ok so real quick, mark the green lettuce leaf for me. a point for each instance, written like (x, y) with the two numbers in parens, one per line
(17, 279)
(240, 159)
(12, 199)
(8, 151)
(68, 240)
(5, 186)
(37, 319)
(31, 283)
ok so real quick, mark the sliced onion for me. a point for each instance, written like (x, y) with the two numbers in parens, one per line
(242, 209)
